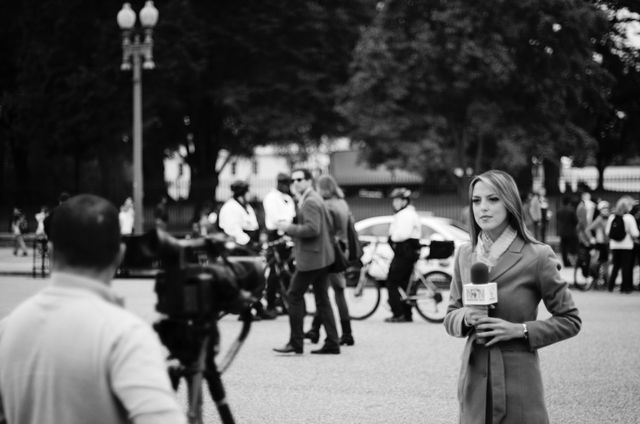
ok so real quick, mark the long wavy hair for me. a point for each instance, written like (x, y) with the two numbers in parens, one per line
(328, 187)
(507, 190)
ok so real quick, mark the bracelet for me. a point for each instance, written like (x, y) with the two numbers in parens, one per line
(525, 331)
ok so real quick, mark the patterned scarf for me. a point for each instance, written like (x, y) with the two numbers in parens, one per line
(489, 251)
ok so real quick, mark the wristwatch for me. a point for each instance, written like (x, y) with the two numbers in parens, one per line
(525, 331)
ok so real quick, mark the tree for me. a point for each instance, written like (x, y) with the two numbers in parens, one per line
(474, 84)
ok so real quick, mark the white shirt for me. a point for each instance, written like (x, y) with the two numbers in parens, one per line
(126, 221)
(234, 220)
(632, 231)
(405, 225)
(278, 206)
(70, 354)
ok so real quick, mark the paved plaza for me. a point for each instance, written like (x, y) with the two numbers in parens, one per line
(402, 373)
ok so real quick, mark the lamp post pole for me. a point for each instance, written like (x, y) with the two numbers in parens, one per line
(132, 54)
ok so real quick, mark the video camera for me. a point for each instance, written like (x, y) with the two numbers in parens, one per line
(197, 283)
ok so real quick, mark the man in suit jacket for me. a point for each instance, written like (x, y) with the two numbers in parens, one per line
(313, 250)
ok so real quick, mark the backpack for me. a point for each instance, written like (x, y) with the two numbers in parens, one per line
(617, 231)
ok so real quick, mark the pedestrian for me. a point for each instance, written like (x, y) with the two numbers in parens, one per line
(339, 209)
(585, 212)
(545, 214)
(598, 229)
(278, 206)
(40, 217)
(161, 213)
(500, 379)
(313, 251)
(535, 212)
(19, 227)
(622, 229)
(126, 217)
(71, 353)
(404, 238)
(567, 222)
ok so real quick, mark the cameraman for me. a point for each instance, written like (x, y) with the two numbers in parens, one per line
(71, 354)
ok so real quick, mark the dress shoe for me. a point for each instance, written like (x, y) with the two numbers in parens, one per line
(312, 335)
(288, 349)
(398, 319)
(347, 339)
(327, 350)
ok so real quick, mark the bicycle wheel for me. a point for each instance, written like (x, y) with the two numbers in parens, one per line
(582, 278)
(432, 295)
(363, 298)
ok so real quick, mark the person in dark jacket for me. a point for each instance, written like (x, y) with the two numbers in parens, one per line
(339, 210)
(567, 221)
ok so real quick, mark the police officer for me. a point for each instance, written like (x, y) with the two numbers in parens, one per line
(404, 239)
(279, 206)
(238, 220)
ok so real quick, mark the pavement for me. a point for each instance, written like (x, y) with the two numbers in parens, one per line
(398, 373)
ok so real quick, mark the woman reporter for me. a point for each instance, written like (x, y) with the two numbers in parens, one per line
(500, 378)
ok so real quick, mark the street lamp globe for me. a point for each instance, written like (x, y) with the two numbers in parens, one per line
(148, 15)
(126, 17)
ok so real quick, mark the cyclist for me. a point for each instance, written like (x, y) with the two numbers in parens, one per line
(404, 239)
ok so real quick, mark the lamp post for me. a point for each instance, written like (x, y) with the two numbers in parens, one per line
(137, 54)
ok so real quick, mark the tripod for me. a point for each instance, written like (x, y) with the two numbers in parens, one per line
(196, 355)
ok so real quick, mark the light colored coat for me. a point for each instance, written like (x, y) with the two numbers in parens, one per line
(313, 246)
(525, 274)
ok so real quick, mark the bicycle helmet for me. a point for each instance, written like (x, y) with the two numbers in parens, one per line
(400, 193)
(239, 187)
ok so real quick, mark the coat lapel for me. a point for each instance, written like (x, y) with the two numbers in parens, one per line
(508, 259)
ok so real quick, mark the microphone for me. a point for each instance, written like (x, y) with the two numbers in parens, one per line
(480, 292)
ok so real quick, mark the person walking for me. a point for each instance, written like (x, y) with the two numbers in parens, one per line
(339, 209)
(500, 378)
(278, 206)
(126, 217)
(313, 251)
(19, 226)
(599, 230)
(404, 238)
(622, 230)
(567, 222)
(71, 353)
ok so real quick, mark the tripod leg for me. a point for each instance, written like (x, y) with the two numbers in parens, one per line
(219, 396)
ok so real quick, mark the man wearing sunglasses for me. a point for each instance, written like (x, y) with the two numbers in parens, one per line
(313, 252)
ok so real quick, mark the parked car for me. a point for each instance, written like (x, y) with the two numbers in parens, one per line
(374, 232)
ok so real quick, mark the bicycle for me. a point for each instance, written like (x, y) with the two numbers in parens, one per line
(282, 266)
(428, 290)
(589, 270)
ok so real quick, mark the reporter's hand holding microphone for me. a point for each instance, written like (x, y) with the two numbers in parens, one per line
(478, 298)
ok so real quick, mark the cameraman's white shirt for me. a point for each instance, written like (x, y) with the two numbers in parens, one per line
(71, 355)
(405, 225)
(234, 219)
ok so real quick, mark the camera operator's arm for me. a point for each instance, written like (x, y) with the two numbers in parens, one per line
(310, 224)
(139, 378)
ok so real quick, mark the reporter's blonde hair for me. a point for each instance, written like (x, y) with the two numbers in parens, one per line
(507, 190)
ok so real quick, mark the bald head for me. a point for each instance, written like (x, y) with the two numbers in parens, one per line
(85, 232)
